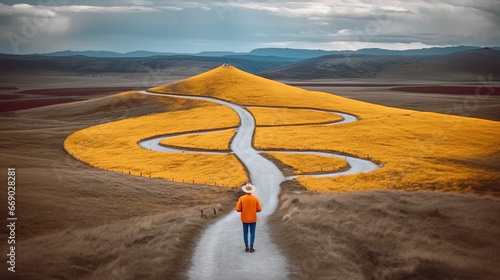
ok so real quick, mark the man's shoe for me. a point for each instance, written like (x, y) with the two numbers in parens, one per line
(252, 249)
(246, 249)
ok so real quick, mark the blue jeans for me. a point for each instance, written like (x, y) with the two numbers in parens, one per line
(246, 227)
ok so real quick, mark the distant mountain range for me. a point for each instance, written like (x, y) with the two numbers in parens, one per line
(296, 54)
(279, 64)
(141, 53)
(106, 54)
(373, 51)
(157, 65)
(464, 65)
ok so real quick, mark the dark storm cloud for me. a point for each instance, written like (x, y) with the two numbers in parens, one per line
(191, 26)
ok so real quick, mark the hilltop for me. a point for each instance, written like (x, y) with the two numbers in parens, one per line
(232, 84)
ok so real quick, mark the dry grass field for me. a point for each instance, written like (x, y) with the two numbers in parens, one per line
(113, 146)
(218, 140)
(387, 234)
(264, 116)
(419, 151)
(80, 222)
(288, 116)
(308, 164)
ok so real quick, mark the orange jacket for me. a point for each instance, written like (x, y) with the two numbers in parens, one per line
(248, 205)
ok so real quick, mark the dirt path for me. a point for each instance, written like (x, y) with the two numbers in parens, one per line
(219, 253)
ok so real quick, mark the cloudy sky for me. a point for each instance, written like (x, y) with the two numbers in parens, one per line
(192, 26)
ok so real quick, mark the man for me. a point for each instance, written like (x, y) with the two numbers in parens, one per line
(248, 205)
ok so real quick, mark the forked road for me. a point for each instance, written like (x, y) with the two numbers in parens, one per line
(219, 254)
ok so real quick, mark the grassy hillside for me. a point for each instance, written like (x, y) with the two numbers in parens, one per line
(218, 140)
(286, 116)
(113, 146)
(388, 235)
(418, 150)
(81, 222)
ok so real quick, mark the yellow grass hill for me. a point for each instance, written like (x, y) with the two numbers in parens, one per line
(416, 150)
(228, 82)
(231, 84)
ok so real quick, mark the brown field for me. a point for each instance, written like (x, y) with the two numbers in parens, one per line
(32, 103)
(75, 91)
(34, 98)
(468, 90)
(9, 96)
(347, 84)
(388, 234)
(79, 222)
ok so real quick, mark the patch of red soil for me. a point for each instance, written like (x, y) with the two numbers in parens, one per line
(28, 104)
(9, 96)
(466, 90)
(320, 84)
(74, 91)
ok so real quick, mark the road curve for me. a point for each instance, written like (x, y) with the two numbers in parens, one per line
(219, 253)
(358, 165)
(153, 144)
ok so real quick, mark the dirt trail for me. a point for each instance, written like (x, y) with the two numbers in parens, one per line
(219, 253)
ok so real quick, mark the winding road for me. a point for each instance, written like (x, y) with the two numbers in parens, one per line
(219, 253)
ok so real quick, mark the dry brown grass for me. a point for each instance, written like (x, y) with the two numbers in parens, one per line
(79, 222)
(388, 235)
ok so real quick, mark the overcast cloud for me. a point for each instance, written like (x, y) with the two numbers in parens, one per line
(194, 26)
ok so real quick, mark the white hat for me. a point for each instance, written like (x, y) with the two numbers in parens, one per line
(248, 188)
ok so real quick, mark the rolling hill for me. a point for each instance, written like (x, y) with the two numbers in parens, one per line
(462, 65)
(170, 65)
